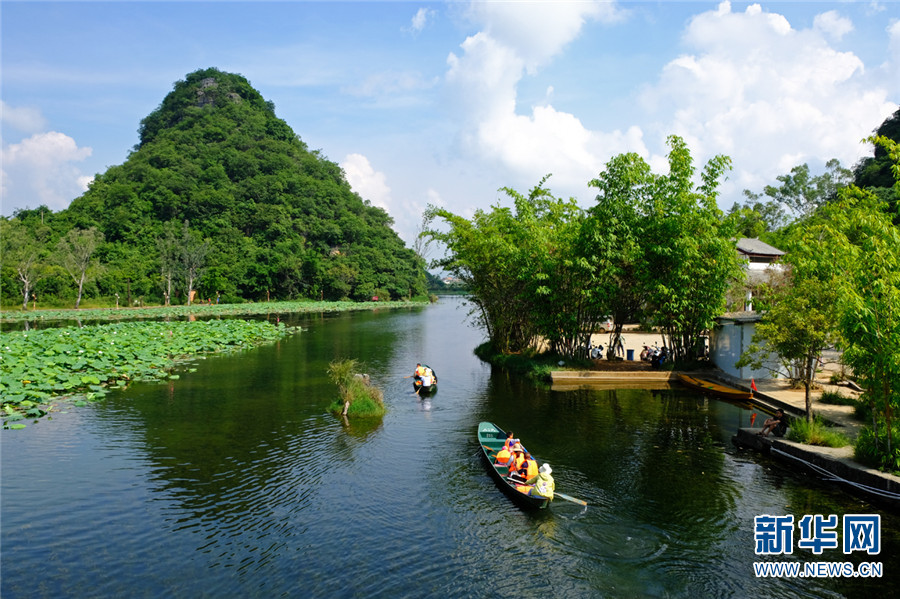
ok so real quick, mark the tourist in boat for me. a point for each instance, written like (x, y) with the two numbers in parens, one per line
(503, 456)
(542, 484)
(776, 424)
(518, 458)
(510, 441)
(420, 370)
(527, 470)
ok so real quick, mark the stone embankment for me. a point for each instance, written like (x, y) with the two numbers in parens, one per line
(834, 464)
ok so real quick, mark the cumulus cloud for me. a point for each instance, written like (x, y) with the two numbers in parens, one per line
(768, 95)
(370, 184)
(482, 85)
(832, 24)
(41, 170)
(538, 31)
(749, 85)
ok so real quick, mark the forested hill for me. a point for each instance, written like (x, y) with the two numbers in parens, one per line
(280, 220)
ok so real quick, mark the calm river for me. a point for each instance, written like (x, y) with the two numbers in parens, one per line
(233, 481)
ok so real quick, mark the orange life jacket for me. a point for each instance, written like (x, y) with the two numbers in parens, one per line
(529, 469)
(516, 463)
(502, 457)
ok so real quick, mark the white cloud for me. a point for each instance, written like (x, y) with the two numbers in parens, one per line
(832, 24)
(40, 170)
(25, 119)
(482, 84)
(768, 95)
(370, 184)
(420, 19)
(538, 31)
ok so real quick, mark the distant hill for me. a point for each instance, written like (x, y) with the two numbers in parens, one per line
(281, 220)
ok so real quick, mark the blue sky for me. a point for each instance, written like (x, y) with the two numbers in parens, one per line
(444, 103)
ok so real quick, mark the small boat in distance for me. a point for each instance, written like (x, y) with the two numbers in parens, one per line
(715, 388)
(425, 383)
(491, 438)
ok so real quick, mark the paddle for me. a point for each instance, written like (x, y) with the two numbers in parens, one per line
(568, 498)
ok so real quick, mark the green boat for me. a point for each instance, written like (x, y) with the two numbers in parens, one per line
(491, 438)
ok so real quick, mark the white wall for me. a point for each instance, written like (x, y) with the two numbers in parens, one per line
(726, 344)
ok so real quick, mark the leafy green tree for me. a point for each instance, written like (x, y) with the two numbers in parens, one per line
(866, 249)
(612, 239)
(556, 276)
(23, 254)
(167, 246)
(75, 253)
(484, 253)
(801, 324)
(689, 253)
(756, 218)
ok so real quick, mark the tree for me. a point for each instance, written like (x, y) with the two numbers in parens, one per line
(484, 254)
(801, 324)
(612, 239)
(168, 247)
(192, 251)
(689, 259)
(23, 254)
(867, 253)
(556, 277)
(74, 253)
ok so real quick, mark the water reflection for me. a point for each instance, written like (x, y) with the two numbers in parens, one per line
(235, 481)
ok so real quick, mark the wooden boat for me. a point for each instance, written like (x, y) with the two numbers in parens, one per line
(491, 438)
(715, 388)
(423, 385)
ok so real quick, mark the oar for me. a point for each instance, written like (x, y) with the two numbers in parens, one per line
(568, 498)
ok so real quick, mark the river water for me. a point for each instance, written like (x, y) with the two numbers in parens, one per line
(234, 481)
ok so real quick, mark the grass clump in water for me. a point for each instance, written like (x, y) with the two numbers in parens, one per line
(357, 394)
(816, 433)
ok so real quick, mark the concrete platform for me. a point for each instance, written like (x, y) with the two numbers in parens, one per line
(572, 380)
(833, 464)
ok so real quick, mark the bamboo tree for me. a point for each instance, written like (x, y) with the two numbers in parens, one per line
(689, 255)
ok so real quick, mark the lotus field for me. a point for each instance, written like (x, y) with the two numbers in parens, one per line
(37, 366)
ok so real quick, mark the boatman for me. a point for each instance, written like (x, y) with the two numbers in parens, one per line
(542, 484)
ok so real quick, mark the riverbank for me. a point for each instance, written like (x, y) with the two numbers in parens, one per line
(198, 310)
(837, 465)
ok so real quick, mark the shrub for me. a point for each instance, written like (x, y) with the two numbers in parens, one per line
(365, 399)
(816, 433)
(837, 398)
(871, 449)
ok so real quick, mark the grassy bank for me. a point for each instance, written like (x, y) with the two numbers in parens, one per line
(200, 310)
(532, 365)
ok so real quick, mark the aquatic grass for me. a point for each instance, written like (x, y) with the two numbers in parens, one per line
(39, 365)
(532, 365)
(200, 310)
(816, 433)
(365, 399)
